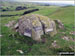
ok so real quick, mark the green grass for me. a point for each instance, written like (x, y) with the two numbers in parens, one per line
(9, 43)
(46, 10)
(15, 12)
(66, 15)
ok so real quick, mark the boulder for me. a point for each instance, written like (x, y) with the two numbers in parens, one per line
(59, 24)
(34, 25)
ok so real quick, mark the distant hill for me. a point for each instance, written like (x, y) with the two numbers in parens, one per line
(9, 3)
(4, 2)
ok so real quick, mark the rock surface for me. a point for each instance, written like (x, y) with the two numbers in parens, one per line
(20, 51)
(55, 45)
(68, 38)
(10, 23)
(72, 33)
(60, 24)
(34, 25)
(1, 35)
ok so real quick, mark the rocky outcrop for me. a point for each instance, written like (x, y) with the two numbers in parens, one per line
(34, 25)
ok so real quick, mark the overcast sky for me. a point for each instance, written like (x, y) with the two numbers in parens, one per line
(51, 1)
(44, 0)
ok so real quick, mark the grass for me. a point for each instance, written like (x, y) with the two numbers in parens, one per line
(47, 10)
(66, 15)
(15, 12)
(10, 43)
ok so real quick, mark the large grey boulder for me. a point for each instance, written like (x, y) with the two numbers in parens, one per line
(34, 25)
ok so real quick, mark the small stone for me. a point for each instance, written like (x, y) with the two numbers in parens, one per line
(72, 33)
(60, 24)
(54, 41)
(10, 23)
(20, 51)
(55, 45)
(65, 38)
(0, 35)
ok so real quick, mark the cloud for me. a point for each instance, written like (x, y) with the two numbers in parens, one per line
(42, 0)
(51, 1)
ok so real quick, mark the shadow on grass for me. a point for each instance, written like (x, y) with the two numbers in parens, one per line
(25, 39)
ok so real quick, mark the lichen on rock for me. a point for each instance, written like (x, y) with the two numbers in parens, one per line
(34, 25)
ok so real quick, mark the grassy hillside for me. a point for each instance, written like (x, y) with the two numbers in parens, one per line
(66, 15)
(10, 43)
(46, 10)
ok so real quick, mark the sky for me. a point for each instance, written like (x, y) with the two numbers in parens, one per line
(51, 1)
(45, 1)
(62, 2)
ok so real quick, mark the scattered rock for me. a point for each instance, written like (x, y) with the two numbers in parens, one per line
(55, 45)
(20, 51)
(72, 33)
(10, 23)
(1, 35)
(59, 24)
(65, 38)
